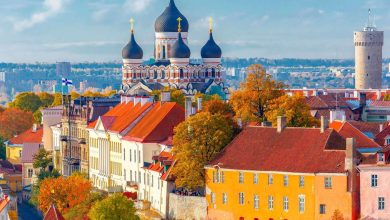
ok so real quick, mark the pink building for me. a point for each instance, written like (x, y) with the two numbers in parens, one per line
(375, 185)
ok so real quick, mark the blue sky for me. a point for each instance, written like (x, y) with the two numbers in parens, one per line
(96, 30)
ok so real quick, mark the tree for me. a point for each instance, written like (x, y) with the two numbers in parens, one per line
(295, 109)
(178, 96)
(74, 95)
(196, 142)
(2, 149)
(46, 99)
(115, 206)
(386, 97)
(337, 215)
(80, 211)
(14, 121)
(42, 159)
(27, 101)
(37, 116)
(217, 106)
(65, 193)
(251, 101)
(57, 99)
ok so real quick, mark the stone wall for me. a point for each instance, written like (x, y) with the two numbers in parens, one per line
(187, 207)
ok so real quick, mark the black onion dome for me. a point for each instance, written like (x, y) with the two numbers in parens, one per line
(211, 49)
(180, 49)
(167, 21)
(132, 50)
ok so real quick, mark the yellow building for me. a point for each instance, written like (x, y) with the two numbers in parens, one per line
(283, 173)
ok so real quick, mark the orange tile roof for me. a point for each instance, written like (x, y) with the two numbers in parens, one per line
(28, 137)
(158, 123)
(158, 167)
(347, 130)
(129, 116)
(53, 214)
(4, 202)
(304, 150)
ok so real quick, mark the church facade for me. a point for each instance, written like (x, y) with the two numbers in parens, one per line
(172, 67)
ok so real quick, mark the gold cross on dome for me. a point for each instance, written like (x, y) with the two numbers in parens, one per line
(179, 24)
(131, 24)
(211, 23)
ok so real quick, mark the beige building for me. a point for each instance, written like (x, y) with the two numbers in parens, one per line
(368, 57)
(50, 117)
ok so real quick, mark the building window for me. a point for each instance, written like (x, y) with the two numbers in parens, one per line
(212, 198)
(368, 57)
(270, 202)
(124, 155)
(130, 155)
(124, 174)
(301, 203)
(256, 201)
(255, 178)
(139, 177)
(270, 179)
(139, 156)
(30, 173)
(131, 175)
(218, 176)
(241, 198)
(328, 182)
(381, 203)
(222, 175)
(380, 157)
(224, 198)
(322, 208)
(135, 156)
(374, 180)
(214, 176)
(241, 177)
(301, 181)
(387, 141)
(285, 180)
(285, 203)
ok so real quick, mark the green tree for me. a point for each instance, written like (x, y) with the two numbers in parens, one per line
(251, 101)
(115, 206)
(2, 148)
(74, 95)
(26, 101)
(295, 109)
(386, 97)
(46, 99)
(178, 96)
(42, 159)
(38, 116)
(57, 99)
(196, 142)
(80, 211)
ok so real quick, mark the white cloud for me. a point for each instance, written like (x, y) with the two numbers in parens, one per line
(81, 44)
(137, 5)
(51, 8)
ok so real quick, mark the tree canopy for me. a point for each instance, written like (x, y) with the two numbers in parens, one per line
(115, 206)
(295, 109)
(46, 99)
(251, 101)
(27, 101)
(65, 193)
(42, 159)
(196, 142)
(14, 121)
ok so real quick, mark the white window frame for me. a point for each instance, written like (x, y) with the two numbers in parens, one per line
(285, 180)
(270, 202)
(381, 203)
(374, 180)
(270, 179)
(241, 198)
(224, 198)
(256, 201)
(255, 178)
(301, 203)
(285, 203)
(328, 182)
(301, 181)
(213, 198)
(240, 177)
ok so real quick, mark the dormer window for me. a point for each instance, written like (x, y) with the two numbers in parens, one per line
(381, 157)
(387, 140)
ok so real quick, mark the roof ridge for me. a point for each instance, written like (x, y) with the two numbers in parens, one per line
(369, 139)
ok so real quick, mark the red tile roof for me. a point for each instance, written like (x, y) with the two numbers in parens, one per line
(163, 158)
(304, 150)
(380, 103)
(158, 124)
(347, 130)
(53, 214)
(371, 127)
(380, 138)
(28, 137)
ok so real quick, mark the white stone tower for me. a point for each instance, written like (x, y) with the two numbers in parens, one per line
(368, 57)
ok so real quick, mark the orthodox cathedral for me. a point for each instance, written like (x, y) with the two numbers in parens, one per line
(171, 66)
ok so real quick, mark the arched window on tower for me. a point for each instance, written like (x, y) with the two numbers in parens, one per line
(163, 52)
(155, 74)
(213, 73)
(181, 74)
(162, 74)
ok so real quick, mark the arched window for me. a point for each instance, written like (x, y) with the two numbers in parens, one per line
(163, 74)
(181, 74)
(155, 74)
(213, 73)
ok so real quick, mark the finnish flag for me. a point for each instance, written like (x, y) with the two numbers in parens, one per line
(66, 82)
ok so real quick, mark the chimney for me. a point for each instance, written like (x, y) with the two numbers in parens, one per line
(350, 154)
(188, 106)
(239, 122)
(34, 128)
(281, 123)
(378, 94)
(122, 99)
(324, 124)
(165, 96)
(200, 104)
(137, 99)
(380, 127)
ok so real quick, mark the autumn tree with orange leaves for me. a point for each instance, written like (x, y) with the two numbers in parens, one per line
(295, 109)
(14, 121)
(64, 193)
(251, 101)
